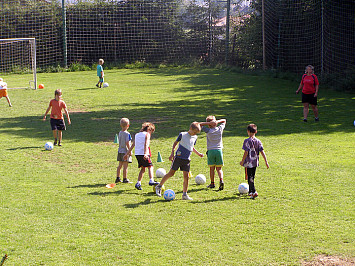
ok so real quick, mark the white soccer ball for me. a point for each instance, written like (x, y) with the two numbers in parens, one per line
(48, 146)
(243, 188)
(160, 172)
(169, 194)
(105, 85)
(200, 179)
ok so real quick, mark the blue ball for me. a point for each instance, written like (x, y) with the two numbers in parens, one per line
(169, 194)
(48, 146)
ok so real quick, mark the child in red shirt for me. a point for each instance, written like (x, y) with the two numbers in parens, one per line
(57, 119)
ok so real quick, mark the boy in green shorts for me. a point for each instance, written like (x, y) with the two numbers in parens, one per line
(214, 148)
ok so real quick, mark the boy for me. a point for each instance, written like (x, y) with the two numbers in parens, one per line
(143, 154)
(57, 119)
(3, 91)
(252, 146)
(124, 140)
(214, 147)
(182, 158)
(100, 73)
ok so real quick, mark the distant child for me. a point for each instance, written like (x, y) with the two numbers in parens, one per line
(214, 147)
(252, 146)
(57, 119)
(3, 91)
(143, 154)
(182, 158)
(124, 140)
(100, 73)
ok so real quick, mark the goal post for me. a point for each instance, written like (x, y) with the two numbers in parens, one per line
(18, 56)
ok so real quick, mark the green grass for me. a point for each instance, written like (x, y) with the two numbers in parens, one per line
(55, 209)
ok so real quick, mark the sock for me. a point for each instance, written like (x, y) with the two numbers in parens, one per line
(139, 182)
(184, 193)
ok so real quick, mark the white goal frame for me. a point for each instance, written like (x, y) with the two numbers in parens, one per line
(32, 84)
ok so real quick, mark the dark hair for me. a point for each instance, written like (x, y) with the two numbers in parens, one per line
(57, 92)
(252, 128)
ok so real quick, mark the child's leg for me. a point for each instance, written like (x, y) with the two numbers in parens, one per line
(140, 175)
(186, 182)
(212, 168)
(220, 173)
(251, 177)
(166, 177)
(55, 133)
(151, 172)
(8, 100)
(119, 167)
(125, 169)
(60, 134)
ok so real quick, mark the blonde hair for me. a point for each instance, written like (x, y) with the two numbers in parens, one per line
(195, 126)
(210, 118)
(148, 125)
(101, 61)
(311, 67)
(124, 122)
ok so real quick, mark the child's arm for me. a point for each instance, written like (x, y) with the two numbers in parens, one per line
(221, 121)
(128, 153)
(49, 108)
(264, 156)
(198, 153)
(299, 88)
(146, 146)
(243, 159)
(171, 157)
(211, 123)
(67, 114)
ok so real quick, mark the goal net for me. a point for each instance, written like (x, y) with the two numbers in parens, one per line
(18, 56)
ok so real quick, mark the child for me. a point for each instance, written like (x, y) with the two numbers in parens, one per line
(143, 154)
(100, 73)
(252, 146)
(214, 147)
(182, 158)
(57, 119)
(3, 91)
(124, 140)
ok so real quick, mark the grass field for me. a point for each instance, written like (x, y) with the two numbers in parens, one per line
(55, 209)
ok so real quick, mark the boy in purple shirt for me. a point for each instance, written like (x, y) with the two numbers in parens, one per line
(252, 147)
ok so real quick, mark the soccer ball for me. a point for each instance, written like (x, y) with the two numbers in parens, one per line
(41, 86)
(243, 188)
(48, 146)
(200, 179)
(169, 194)
(105, 85)
(162, 188)
(160, 172)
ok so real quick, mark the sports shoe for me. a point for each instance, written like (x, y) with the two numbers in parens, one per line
(138, 186)
(211, 185)
(304, 120)
(158, 190)
(316, 119)
(118, 180)
(126, 180)
(186, 197)
(59, 144)
(97, 85)
(221, 185)
(254, 195)
(55, 142)
(153, 183)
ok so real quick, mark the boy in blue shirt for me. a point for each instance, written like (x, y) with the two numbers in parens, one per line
(100, 73)
(187, 141)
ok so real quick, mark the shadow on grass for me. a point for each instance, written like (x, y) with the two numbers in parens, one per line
(269, 103)
(23, 148)
(89, 186)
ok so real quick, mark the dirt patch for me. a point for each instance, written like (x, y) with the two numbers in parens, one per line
(329, 260)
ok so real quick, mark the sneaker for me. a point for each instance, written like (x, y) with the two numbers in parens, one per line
(211, 185)
(254, 195)
(304, 120)
(118, 180)
(153, 183)
(55, 142)
(10, 105)
(158, 190)
(221, 185)
(126, 180)
(59, 144)
(316, 119)
(97, 85)
(138, 186)
(186, 197)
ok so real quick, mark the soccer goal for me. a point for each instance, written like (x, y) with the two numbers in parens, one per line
(18, 56)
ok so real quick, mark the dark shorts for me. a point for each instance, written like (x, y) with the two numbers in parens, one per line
(309, 98)
(183, 164)
(57, 124)
(120, 158)
(143, 162)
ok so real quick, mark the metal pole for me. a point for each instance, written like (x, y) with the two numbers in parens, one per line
(227, 31)
(263, 33)
(322, 41)
(64, 34)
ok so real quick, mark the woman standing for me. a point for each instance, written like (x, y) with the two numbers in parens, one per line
(309, 85)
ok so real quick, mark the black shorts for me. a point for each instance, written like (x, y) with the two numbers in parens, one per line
(143, 162)
(57, 124)
(183, 164)
(309, 98)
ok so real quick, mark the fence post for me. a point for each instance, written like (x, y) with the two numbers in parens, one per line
(64, 34)
(227, 30)
(263, 33)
